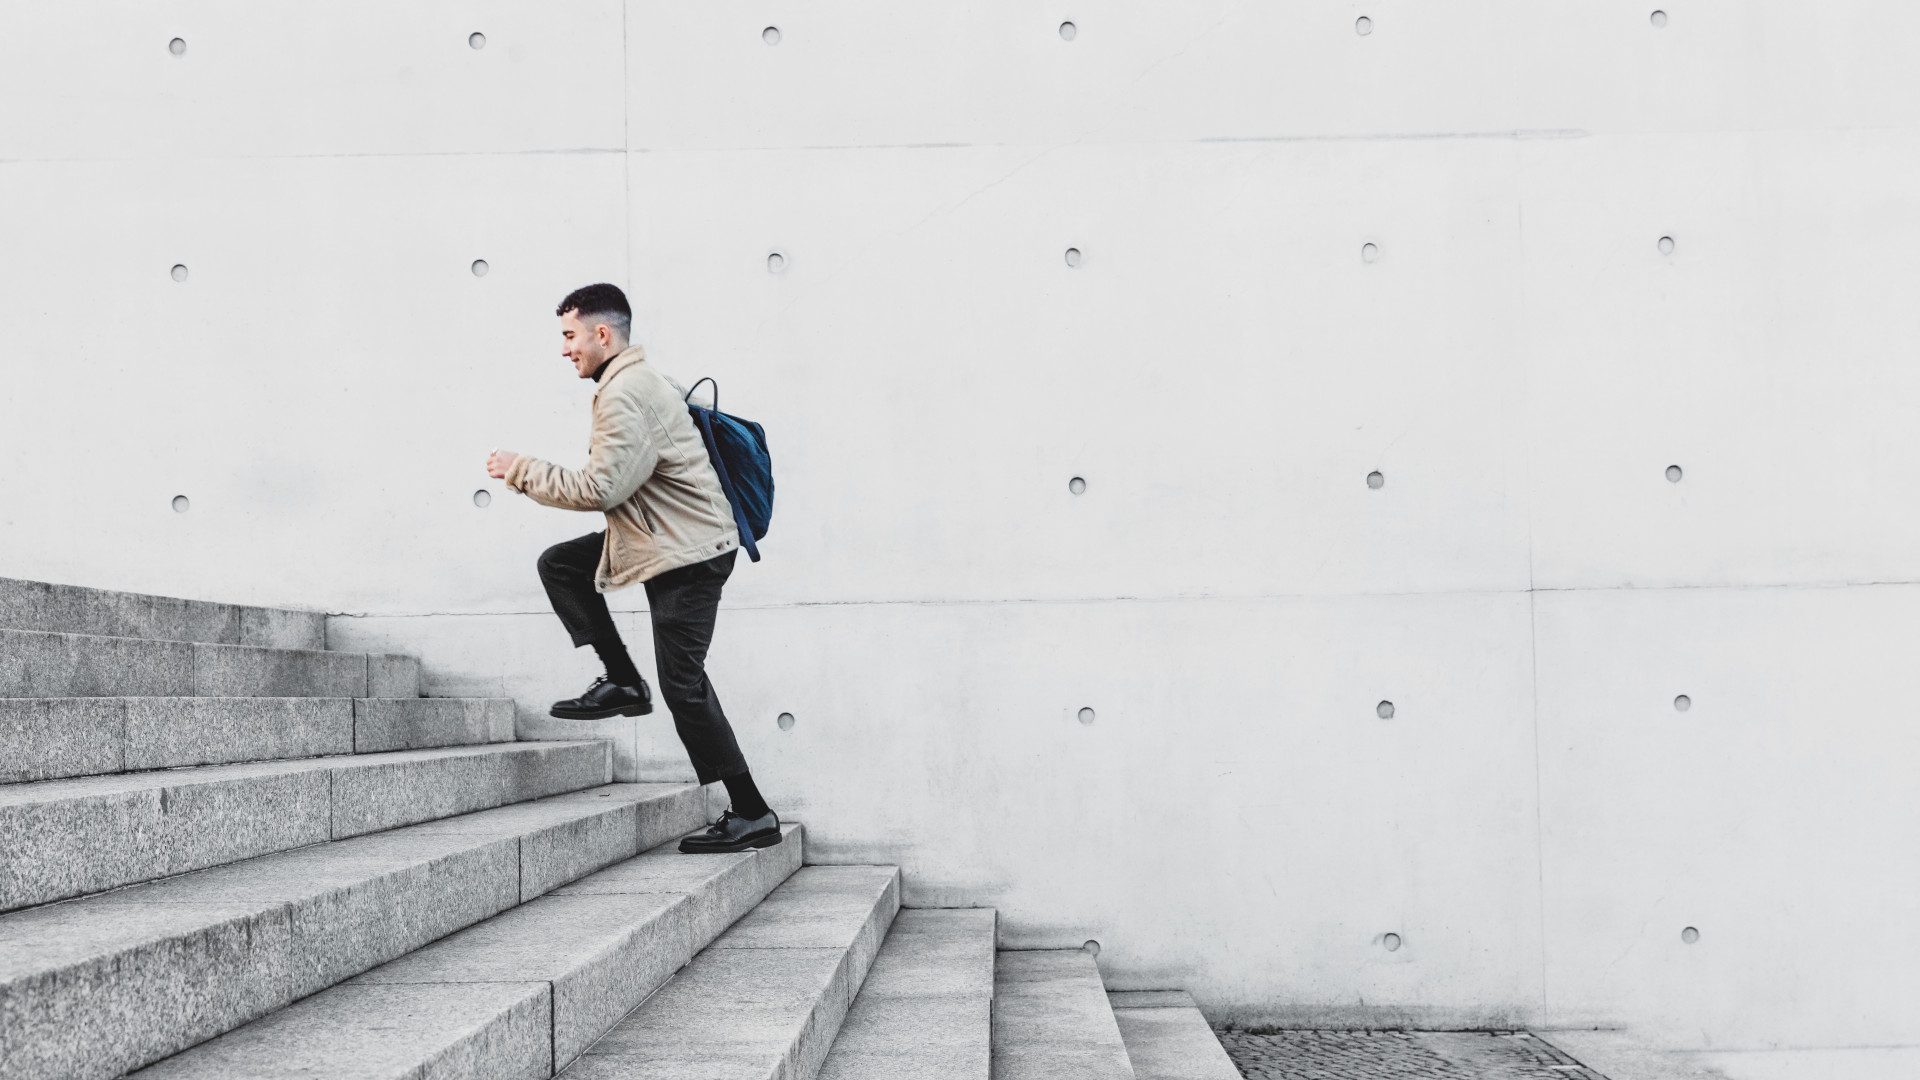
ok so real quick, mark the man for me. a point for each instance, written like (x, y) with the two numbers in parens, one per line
(669, 526)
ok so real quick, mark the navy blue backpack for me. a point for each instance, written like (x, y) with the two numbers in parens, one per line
(738, 449)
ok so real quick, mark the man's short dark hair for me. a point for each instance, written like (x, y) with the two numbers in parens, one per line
(603, 303)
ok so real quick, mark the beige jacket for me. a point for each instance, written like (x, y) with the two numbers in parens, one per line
(647, 470)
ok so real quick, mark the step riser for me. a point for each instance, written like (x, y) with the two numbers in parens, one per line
(252, 938)
(56, 738)
(85, 843)
(1168, 1039)
(34, 664)
(418, 723)
(72, 609)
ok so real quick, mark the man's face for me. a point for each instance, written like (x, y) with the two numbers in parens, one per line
(587, 346)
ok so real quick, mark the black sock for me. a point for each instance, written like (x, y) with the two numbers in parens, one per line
(620, 669)
(747, 802)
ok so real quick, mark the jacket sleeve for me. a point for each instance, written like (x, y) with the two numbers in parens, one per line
(620, 458)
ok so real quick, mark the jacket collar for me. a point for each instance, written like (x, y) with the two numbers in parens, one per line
(625, 358)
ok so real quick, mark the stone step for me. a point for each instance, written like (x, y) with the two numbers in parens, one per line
(73, 609)
(46, 664)
(53, 738)
(767, 998)
(97, 987)
(63, 838)
(1168, 1039)
(1052, 1021)
(927, 1007)
(521, 994)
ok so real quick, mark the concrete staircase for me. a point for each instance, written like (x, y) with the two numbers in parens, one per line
(226, 851)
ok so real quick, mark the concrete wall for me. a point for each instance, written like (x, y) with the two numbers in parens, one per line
(1520, 359)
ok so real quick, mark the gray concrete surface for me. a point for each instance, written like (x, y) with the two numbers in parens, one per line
(720, 888)
(1168, 1039)
(409, 723)
(244, 671)
(766, 1000)
(101, 985)
(73, 609)
(62, 838)
(1051, 1019)
(925, 1012)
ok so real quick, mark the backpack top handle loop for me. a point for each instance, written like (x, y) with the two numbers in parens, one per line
(716, 393)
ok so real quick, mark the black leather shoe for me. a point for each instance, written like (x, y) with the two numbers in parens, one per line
(734, 833)
(604, 699)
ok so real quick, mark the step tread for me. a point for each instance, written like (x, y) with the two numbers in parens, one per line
(926, 1009)
(1167, 1038)
(103, 984)
(768, 996)
(1052, 1020)
(588, 956)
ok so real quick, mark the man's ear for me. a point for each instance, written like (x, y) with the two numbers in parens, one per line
(603, 334)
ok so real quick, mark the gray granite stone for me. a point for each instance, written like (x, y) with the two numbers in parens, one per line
(410, 723)
(768, 1010)
(103, 985)
(49, 738)
(1170, 1041)
(368, 1032)
(279, 628)
(926, 1008)
(383, 791)
(65, 838)
(1051, 1020)
(165, 733)
(37, 664)
(74, 609)
(722, 888)
(390, 675)
(732, 1014)
(602, 954)
(244, 671)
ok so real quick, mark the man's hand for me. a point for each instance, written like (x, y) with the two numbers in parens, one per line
(499, 462)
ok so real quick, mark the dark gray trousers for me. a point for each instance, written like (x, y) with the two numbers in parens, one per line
(683, 604)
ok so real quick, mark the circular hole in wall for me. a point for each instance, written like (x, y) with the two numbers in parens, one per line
(1068, 31)
(1086, 716)
(1369, 252)
(178, 46)
(1690, 935)
(785, 720)
(1073, 256)
(1363, 26)
(480, 268)
(1391, 941)
(776, 262)
(1683, 703)
(771, 35)
(1658, 18)
(1674, 474)
(483, 498)
(1375, 480)
(1665, 245)
(1384, 710)
(1091, 947)
(180, 504)
(1077, 485)
(179, 272)
(478, 40)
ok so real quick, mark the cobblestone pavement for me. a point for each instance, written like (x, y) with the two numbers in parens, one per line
(1400, 1055)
